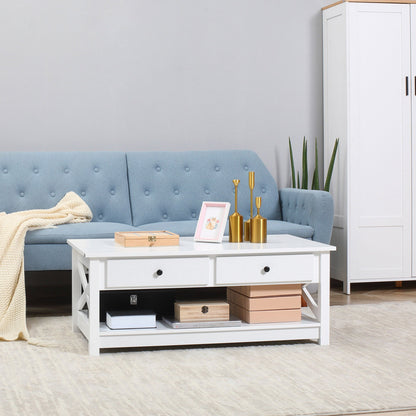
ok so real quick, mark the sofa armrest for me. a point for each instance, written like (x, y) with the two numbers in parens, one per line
(306, 207)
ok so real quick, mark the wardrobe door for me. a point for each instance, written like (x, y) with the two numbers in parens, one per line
(335, 99)
(413, 95)
(379, 141)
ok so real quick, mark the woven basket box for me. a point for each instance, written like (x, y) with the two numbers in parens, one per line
(146, 238)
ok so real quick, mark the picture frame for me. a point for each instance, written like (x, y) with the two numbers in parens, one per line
(212, 221)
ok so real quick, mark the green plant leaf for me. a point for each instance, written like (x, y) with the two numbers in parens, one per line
(331, 166)
(298, 181)
(315, 178)
(305, 165)
(292, 165)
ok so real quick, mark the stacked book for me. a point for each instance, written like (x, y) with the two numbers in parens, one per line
(270, 303)
(131, 319)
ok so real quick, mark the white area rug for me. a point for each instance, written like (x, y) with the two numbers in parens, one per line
(370, 365)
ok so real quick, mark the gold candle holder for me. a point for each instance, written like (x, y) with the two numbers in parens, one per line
(247, 224)
(236, 220)
(258, 225)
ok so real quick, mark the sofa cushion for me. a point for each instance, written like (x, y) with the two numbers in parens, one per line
(40, 179)
(183, 228)
(187, 228)
(171, 186)
(61, 233)
(283, 227)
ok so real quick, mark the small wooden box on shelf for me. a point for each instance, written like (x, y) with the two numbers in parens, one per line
(263, 304)
(208, 310)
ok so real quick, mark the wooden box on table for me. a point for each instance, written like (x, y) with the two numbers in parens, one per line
(146, 238)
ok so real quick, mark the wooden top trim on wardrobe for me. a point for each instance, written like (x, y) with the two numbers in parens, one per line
(371, 1)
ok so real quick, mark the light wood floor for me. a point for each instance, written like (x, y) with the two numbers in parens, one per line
(44, 298)
(362, 293)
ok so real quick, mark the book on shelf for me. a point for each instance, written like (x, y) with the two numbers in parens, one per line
(174, 323)
(131, 319)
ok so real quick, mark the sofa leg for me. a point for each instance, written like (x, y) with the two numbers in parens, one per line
(399, 284)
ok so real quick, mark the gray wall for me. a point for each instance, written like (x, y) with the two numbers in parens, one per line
(162, 75)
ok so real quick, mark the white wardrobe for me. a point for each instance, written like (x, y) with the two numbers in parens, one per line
(369, 61)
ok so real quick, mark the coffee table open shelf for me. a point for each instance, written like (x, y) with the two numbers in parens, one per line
(101, 265)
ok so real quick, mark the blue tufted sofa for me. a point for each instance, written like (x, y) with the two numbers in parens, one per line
(148, 191)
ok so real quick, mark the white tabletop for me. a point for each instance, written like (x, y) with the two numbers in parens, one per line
(276, 244)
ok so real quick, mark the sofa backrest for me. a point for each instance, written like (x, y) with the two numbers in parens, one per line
(171, 186)
(31, 180)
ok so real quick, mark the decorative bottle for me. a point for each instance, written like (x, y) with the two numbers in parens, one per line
(247, 224)
(258, 226)
(236, 220)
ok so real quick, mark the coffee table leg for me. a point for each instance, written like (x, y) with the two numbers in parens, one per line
(323, 299)
(76, 291)
(94, 309)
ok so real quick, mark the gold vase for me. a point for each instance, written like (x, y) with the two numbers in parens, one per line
(258, 226)
(236, 220)
(247, 224)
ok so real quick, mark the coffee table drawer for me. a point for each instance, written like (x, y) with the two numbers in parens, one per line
(265, 269)
(157, 272)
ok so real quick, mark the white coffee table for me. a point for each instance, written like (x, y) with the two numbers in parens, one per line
(102, 265)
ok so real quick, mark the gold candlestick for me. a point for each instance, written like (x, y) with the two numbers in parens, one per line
(247, 224)
(236, 220)
(258, 226)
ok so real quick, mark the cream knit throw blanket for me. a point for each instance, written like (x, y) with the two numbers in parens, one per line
(13, 227)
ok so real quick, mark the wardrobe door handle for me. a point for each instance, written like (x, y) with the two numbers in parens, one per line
(407, 86)
(415, 85)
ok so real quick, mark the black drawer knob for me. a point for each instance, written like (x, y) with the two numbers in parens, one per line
(266, 269)
(159, 272)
